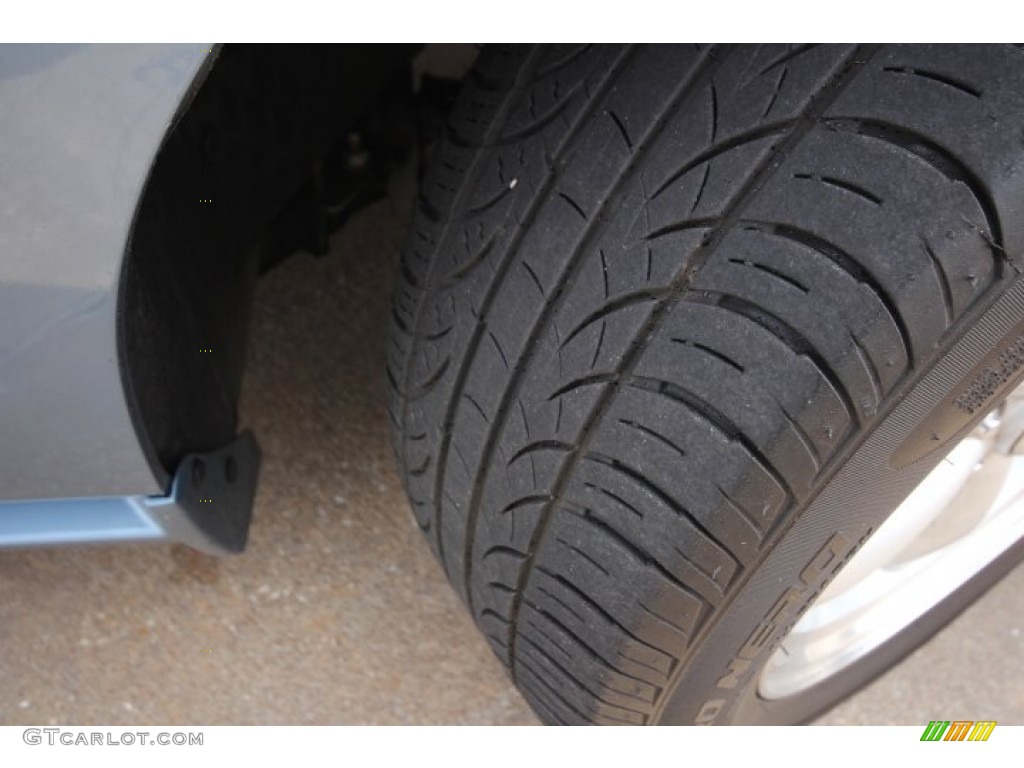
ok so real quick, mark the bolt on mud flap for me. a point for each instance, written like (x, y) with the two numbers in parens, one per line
(208, 508)
(210, 504)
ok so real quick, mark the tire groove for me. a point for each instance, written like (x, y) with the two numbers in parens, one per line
(565, 606)
(800, 50)
(539, 445)
(592, 716)
(541, 122)
(564, 61)
(432, 214)
(453, 277)
(661, 619)
(600, 658)
(741, 511)
(603, 613)
(943, 279)
(869, 367)
(844, 261)
(935, 77)
(633, 704)
(709, 154)
(616, 498)
(581, 686)
(584, 555)
(816, 106)
(667, 499)
(507, 260)
(686, 89)
(798, 344)
(656, 435)
(611, 307)
(583, 381)
(930, 152)
(802, 437)
(772, 271)
(718, 420)
(709, 351)
(842, 184)
(522, 502)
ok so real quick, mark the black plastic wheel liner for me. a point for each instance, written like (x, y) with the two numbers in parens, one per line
(250, 136)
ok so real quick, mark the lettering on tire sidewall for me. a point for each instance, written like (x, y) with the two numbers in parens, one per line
(792, 601)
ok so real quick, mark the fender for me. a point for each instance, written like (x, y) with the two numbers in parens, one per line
(140, 185)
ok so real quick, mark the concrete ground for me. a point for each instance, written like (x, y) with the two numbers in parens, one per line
(337, 612)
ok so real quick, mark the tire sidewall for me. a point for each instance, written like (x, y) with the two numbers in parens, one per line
(718, 684)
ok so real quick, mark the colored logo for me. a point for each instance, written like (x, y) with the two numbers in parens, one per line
(958, 730)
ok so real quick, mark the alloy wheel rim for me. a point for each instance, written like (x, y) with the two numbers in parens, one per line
(961, 517)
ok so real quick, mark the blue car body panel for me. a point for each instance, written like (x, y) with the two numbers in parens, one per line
(80, 126)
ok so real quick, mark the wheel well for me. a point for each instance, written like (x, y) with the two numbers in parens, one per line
(259, 120)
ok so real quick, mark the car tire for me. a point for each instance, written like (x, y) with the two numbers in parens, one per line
(676, 328)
